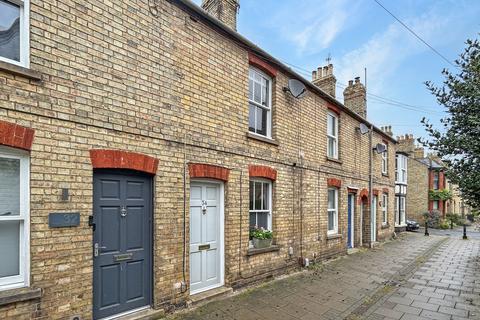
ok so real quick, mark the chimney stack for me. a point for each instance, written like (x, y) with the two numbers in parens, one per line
(324, 79)
(407, 144)
(224, 10)
(387, 130)
(355, 97)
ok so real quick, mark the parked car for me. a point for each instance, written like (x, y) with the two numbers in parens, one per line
(412, 225)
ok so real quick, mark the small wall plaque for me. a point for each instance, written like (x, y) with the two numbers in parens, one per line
(63, 219)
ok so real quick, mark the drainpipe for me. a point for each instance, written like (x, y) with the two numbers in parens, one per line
(370, 179)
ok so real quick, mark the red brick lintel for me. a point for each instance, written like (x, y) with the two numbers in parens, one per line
(16, 136)
(117, 159)
(262, 172)
(262, 64)
(333, 182)
(201, 170)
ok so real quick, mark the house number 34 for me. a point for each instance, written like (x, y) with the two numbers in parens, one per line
(204, 206)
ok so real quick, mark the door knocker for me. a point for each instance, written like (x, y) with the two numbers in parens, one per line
(123, 211)
(204, 206)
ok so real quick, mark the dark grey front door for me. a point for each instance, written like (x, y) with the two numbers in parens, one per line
(122, 242)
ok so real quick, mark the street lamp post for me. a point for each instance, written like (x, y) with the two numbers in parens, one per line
(464, 225)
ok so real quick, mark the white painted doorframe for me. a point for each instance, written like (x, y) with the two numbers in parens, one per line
(373, 222)
(352, 219)
(221, 238)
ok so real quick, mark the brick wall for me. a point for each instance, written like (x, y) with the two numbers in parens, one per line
(114, 76)
(417, 191)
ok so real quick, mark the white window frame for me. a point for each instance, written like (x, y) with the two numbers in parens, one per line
(24, 34)
(335, 211)
(437, 202)
(334, 153)
(400, 210)
(23, 279)
(401, 169)
(385, 208)
(436, 186)
(385, 160)
(270, 187)
(268, 107)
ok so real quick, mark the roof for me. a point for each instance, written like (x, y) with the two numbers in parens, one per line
(433, 164)
(198, 12)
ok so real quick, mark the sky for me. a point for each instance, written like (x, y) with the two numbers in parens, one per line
(360, 34)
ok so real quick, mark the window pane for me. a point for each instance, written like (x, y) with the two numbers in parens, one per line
(250, 89)
(258, 196)
(9, 30)
(266, 196)
(331, 220)
(9, 187)
(9, 248)
(331, 199)
(253, 220)
(261, 121)
(251, 118)
(331, 147)
(265, 94)
(251, 195)
(262, 220)
(257, 92)
(331, 125)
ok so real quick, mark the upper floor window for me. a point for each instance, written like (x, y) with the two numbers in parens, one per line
(260, 204)
(385, 161)
(260, 103)
(401, 168)
(332, 211)
(332, 135)
(436, 179)
(14, 213)
(14, 32)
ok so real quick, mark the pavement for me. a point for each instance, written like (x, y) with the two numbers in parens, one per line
(412, 277)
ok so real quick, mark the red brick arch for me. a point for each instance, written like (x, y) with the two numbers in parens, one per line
(262, 172)
(202, 170)
(333, 182)
(117, 159)
(363, 196)
(14, 135)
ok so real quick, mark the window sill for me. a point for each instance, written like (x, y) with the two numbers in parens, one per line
(20, 71)
(260, 138)
(385, 175)
(334, 236)
(385, 226)
(334, 160)
(18, 295)
(253, 251)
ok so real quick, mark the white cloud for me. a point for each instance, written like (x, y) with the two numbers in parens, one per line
(312, 25)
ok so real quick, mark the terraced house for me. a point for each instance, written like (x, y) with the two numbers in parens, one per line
(140, 141)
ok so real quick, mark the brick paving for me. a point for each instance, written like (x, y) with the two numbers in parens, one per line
(413, 277)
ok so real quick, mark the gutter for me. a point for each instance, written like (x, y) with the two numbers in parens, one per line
(197, 12)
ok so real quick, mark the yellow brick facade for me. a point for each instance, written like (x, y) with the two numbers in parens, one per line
(168, 85)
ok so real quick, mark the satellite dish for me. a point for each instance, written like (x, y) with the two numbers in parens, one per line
(364, 128)
(296, 88)
(380, 148)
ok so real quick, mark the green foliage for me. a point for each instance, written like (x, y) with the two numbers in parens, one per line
(261, 234)
(455, 218)
(444, 225)
(458, 143)
(442, 194)
(432, 218)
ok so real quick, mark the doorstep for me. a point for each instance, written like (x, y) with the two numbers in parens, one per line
(145, 314)
(203, 297)
(352, 250)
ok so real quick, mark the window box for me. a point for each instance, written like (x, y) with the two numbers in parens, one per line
(261, 243)
(253, 251)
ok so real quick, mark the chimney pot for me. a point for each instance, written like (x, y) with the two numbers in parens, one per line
(350, 83)
(314, 75)
(357, 79)
(320, 72)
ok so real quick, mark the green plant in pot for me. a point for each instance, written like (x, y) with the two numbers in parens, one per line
(261, 238)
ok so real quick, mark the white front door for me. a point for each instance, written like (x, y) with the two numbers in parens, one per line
(206, 236)
(374, 219)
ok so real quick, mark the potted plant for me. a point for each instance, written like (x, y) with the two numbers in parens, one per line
(261, 238)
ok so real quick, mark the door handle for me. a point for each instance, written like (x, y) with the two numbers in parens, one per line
(96, 248)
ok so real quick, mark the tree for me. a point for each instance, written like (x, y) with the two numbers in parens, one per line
(458, 144)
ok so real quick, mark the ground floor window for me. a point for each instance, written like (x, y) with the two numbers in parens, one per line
(332, 211)
(400, 210)
(435, 205)
(260, 204)
(14, 213)
(385, 208)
